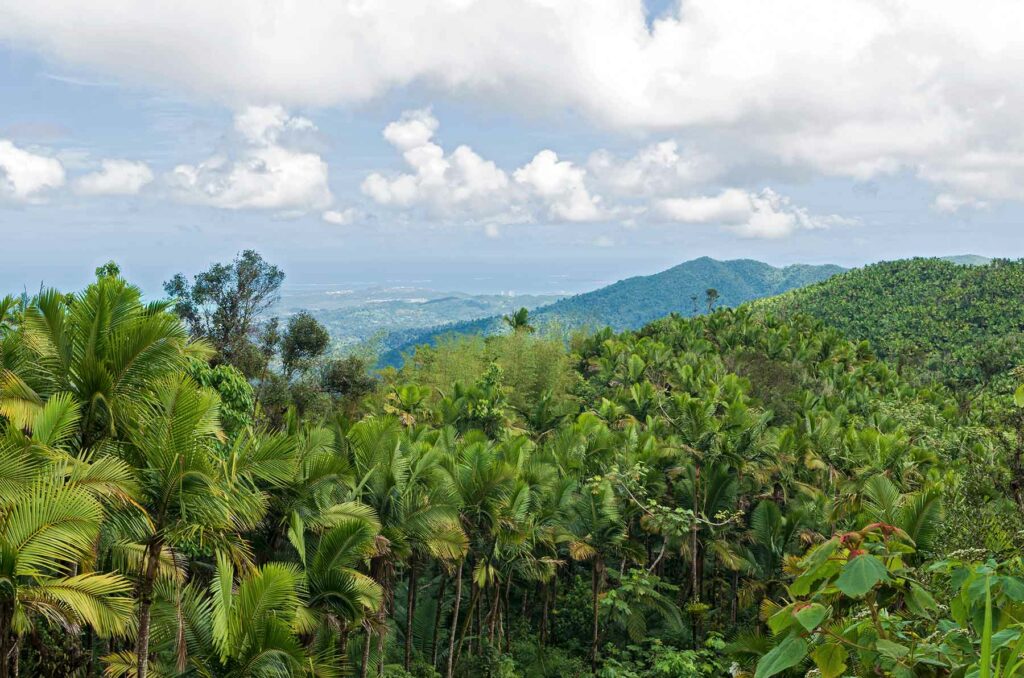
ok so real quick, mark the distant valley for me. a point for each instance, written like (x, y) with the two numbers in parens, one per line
(355, 315)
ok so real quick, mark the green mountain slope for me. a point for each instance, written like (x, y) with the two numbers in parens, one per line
(634, 302)
(959, 323)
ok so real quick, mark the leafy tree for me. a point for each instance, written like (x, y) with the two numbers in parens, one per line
(224, 305)
(519, 321)
(711, 296)
(304, 340)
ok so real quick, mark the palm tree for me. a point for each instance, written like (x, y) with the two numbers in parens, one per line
(519, 321)
(595, 531)
(51, 511)
(243, 629)
(406, 486)
(182, 487)
(103, 346)
(337, 592)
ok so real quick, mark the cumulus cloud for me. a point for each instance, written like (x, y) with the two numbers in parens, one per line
(446, 184)
(462, 183)
(115, 177)
(549, 188)
(268, 170)
(656, 169)
(950, 204)
(561, 185)
(855, 88)
(340, 217)
(26, 176)
(754, 215)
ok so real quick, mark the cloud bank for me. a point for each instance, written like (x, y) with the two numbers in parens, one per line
(855, 88)
(268, 168)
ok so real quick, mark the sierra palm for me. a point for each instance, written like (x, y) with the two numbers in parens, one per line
(103, 346)
(51, 512)
(171, 446)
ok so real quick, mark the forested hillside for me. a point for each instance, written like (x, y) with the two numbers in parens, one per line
(631, 303)
(188, 488)
(962, 324)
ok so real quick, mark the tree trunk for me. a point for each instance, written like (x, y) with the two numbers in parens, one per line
(735, 596)
(595, 588)
(694, 558)
(380, 644)
(437, 620)
(474, 595)
(365, 668)
(504, 623)
(544, 616)
(495, 610)
(6, 612)
(145, 602)
(455, 621)
(343, 641)
(410, 611)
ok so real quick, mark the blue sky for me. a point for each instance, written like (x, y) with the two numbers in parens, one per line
(531, 161)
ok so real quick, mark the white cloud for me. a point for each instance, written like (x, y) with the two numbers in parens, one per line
(561, 185)
(754, 215)
(950, 204)
(26, 176)
(115, 177)
(461, 182)
(340, 217)
(856, 88)
(268, 171)
(655, 170)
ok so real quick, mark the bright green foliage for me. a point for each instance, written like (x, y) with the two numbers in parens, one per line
(237, 400)
(630, 304)
(954, 322)
(732, 494)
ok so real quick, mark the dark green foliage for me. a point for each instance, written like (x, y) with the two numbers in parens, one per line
(237, 400)
(305, 339)
(224, 304)
(346, 378)
(960, 324)
(737, 493)
(629, 304)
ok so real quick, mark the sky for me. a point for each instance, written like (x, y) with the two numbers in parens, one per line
(503, 145)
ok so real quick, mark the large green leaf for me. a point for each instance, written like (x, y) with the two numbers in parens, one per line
(810, 616)
(860, 575)
(786, 654)
(830, 658)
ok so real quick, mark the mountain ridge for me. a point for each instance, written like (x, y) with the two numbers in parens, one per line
(632, 302)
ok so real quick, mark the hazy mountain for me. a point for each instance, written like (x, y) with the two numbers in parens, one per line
(633, 302)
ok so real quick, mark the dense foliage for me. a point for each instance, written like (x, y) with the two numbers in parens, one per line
(731, 494)
(629, 304)
(962, 324)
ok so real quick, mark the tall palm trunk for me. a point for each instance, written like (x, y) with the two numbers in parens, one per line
(495, 611)
(473, 597)
(6, 612)
(437, 620)
(595, 588)
(694, 559)
(410, 611)
(365, 666)
(455, 621)
(145, 602)
(544, 616)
